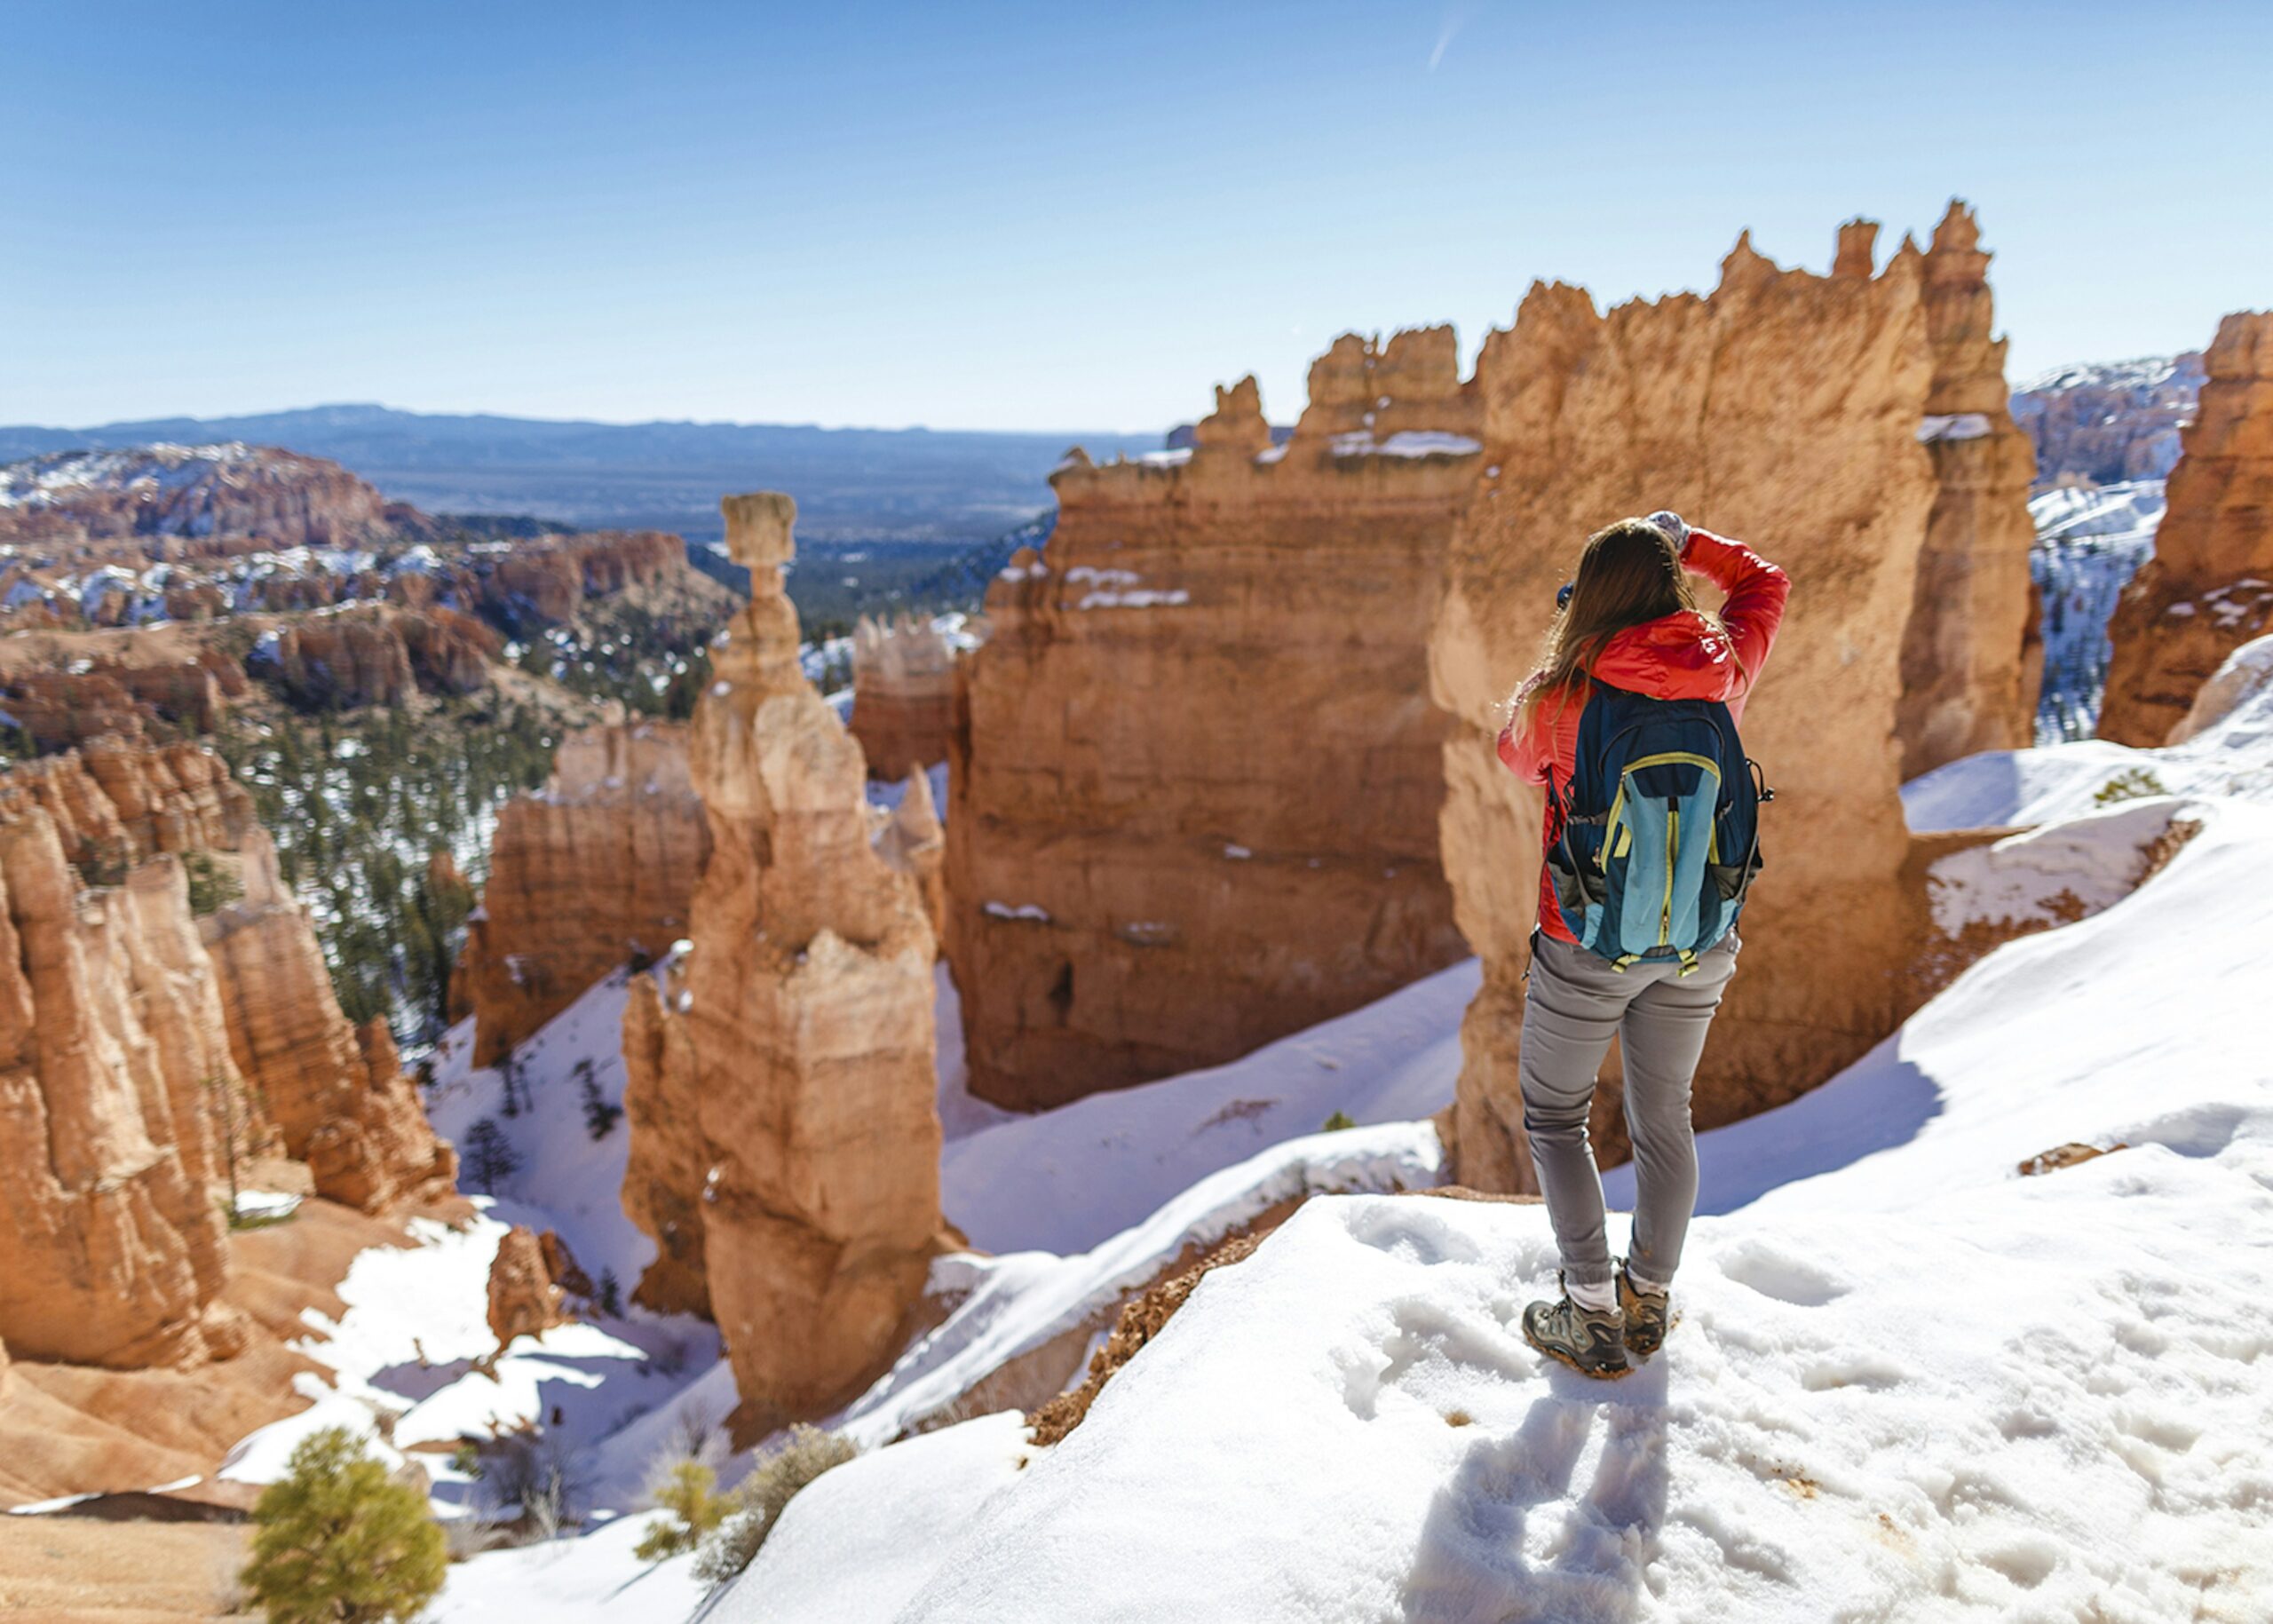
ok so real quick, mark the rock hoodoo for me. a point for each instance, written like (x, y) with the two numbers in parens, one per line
(337, 1094)
(2110, 423)
(785, 1142)
(1195, 781)
(523, 1299)
(1785, 409)
(338, 1098)
(1965, 685)
(111, 1043)
(597, 868)
(2209, 587)
(903, 695)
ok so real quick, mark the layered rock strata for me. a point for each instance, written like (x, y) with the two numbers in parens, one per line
(112, 1049)
(903, 695)
(1967, 684)
(337, 1094)
(225, 489)
(2104, 424)
(785, 1140)
(2209, 587)
(1785, 409)
(1195, 780)
(597, 868)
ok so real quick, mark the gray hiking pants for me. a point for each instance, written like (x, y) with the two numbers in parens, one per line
(1573, 1005)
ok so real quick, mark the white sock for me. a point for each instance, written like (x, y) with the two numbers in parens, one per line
(1596, 1299)
(1642, 1282)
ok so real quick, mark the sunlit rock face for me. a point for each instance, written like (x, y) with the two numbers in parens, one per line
(781, 1092)
(2209, 587)
(110, 1031)
(1785, 409)
(598, 867)
(1195, 783)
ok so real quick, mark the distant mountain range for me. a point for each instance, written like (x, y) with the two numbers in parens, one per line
(948, 486)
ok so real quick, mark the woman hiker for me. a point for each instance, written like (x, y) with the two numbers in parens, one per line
(1628, 721)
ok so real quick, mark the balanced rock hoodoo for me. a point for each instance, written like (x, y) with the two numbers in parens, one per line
(785, 1139)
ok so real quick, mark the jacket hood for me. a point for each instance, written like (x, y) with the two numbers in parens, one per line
(1680, 655)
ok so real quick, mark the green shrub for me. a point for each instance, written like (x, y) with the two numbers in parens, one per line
(1337, 1122)
(689, 1496)
(338, 1539)
(2131, 784)
(757, 1505)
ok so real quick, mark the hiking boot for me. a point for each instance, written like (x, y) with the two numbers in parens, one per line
(1645, 1316)
(1591, 1343)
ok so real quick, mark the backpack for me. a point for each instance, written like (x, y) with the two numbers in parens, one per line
(1660, 827)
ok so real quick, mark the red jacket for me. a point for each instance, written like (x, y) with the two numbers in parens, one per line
(1680, 656)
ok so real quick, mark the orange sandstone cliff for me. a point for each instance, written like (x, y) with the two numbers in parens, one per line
(1195, 780)
(785, 1142)
(1966, 686)
(1785, 409)
(597, 868)
(2209, 587)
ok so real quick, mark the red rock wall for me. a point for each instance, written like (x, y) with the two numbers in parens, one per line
(1195, 784)
(2209, 587)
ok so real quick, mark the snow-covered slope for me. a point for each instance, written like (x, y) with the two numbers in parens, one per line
(1065, 1180)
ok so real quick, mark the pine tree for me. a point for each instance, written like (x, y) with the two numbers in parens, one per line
(338, 1540)
(489, 1158)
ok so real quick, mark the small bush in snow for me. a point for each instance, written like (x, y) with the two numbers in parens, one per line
(610, 1298)
(693, 1508)
(337, 1538)
(757, 1505)
(1337, 1122)
(532, 1480)
(2132, 784)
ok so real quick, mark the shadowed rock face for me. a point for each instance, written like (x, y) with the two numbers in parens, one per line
(1785, 410)
(903, 695)
(2209, 587)
(785, 1142)
(1195, 781)
(598, 866)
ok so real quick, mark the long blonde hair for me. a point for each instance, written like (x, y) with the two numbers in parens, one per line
(1630, 573)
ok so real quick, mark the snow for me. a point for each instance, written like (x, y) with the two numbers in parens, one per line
(2228, 754)
(266, 1204)
(1142, 599)
(591, 1580)
(1012, 1304)
(1960, 425)
(1175, 458)
(1069, 1179)
(862, 1539)
(1405, 443)
(1032, 911)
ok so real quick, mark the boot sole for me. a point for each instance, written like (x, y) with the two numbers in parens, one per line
(1568, 1363)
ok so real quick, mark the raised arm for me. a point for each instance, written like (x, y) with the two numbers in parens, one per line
(1758, 592)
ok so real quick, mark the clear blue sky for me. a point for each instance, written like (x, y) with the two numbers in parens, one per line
(1006, 216)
